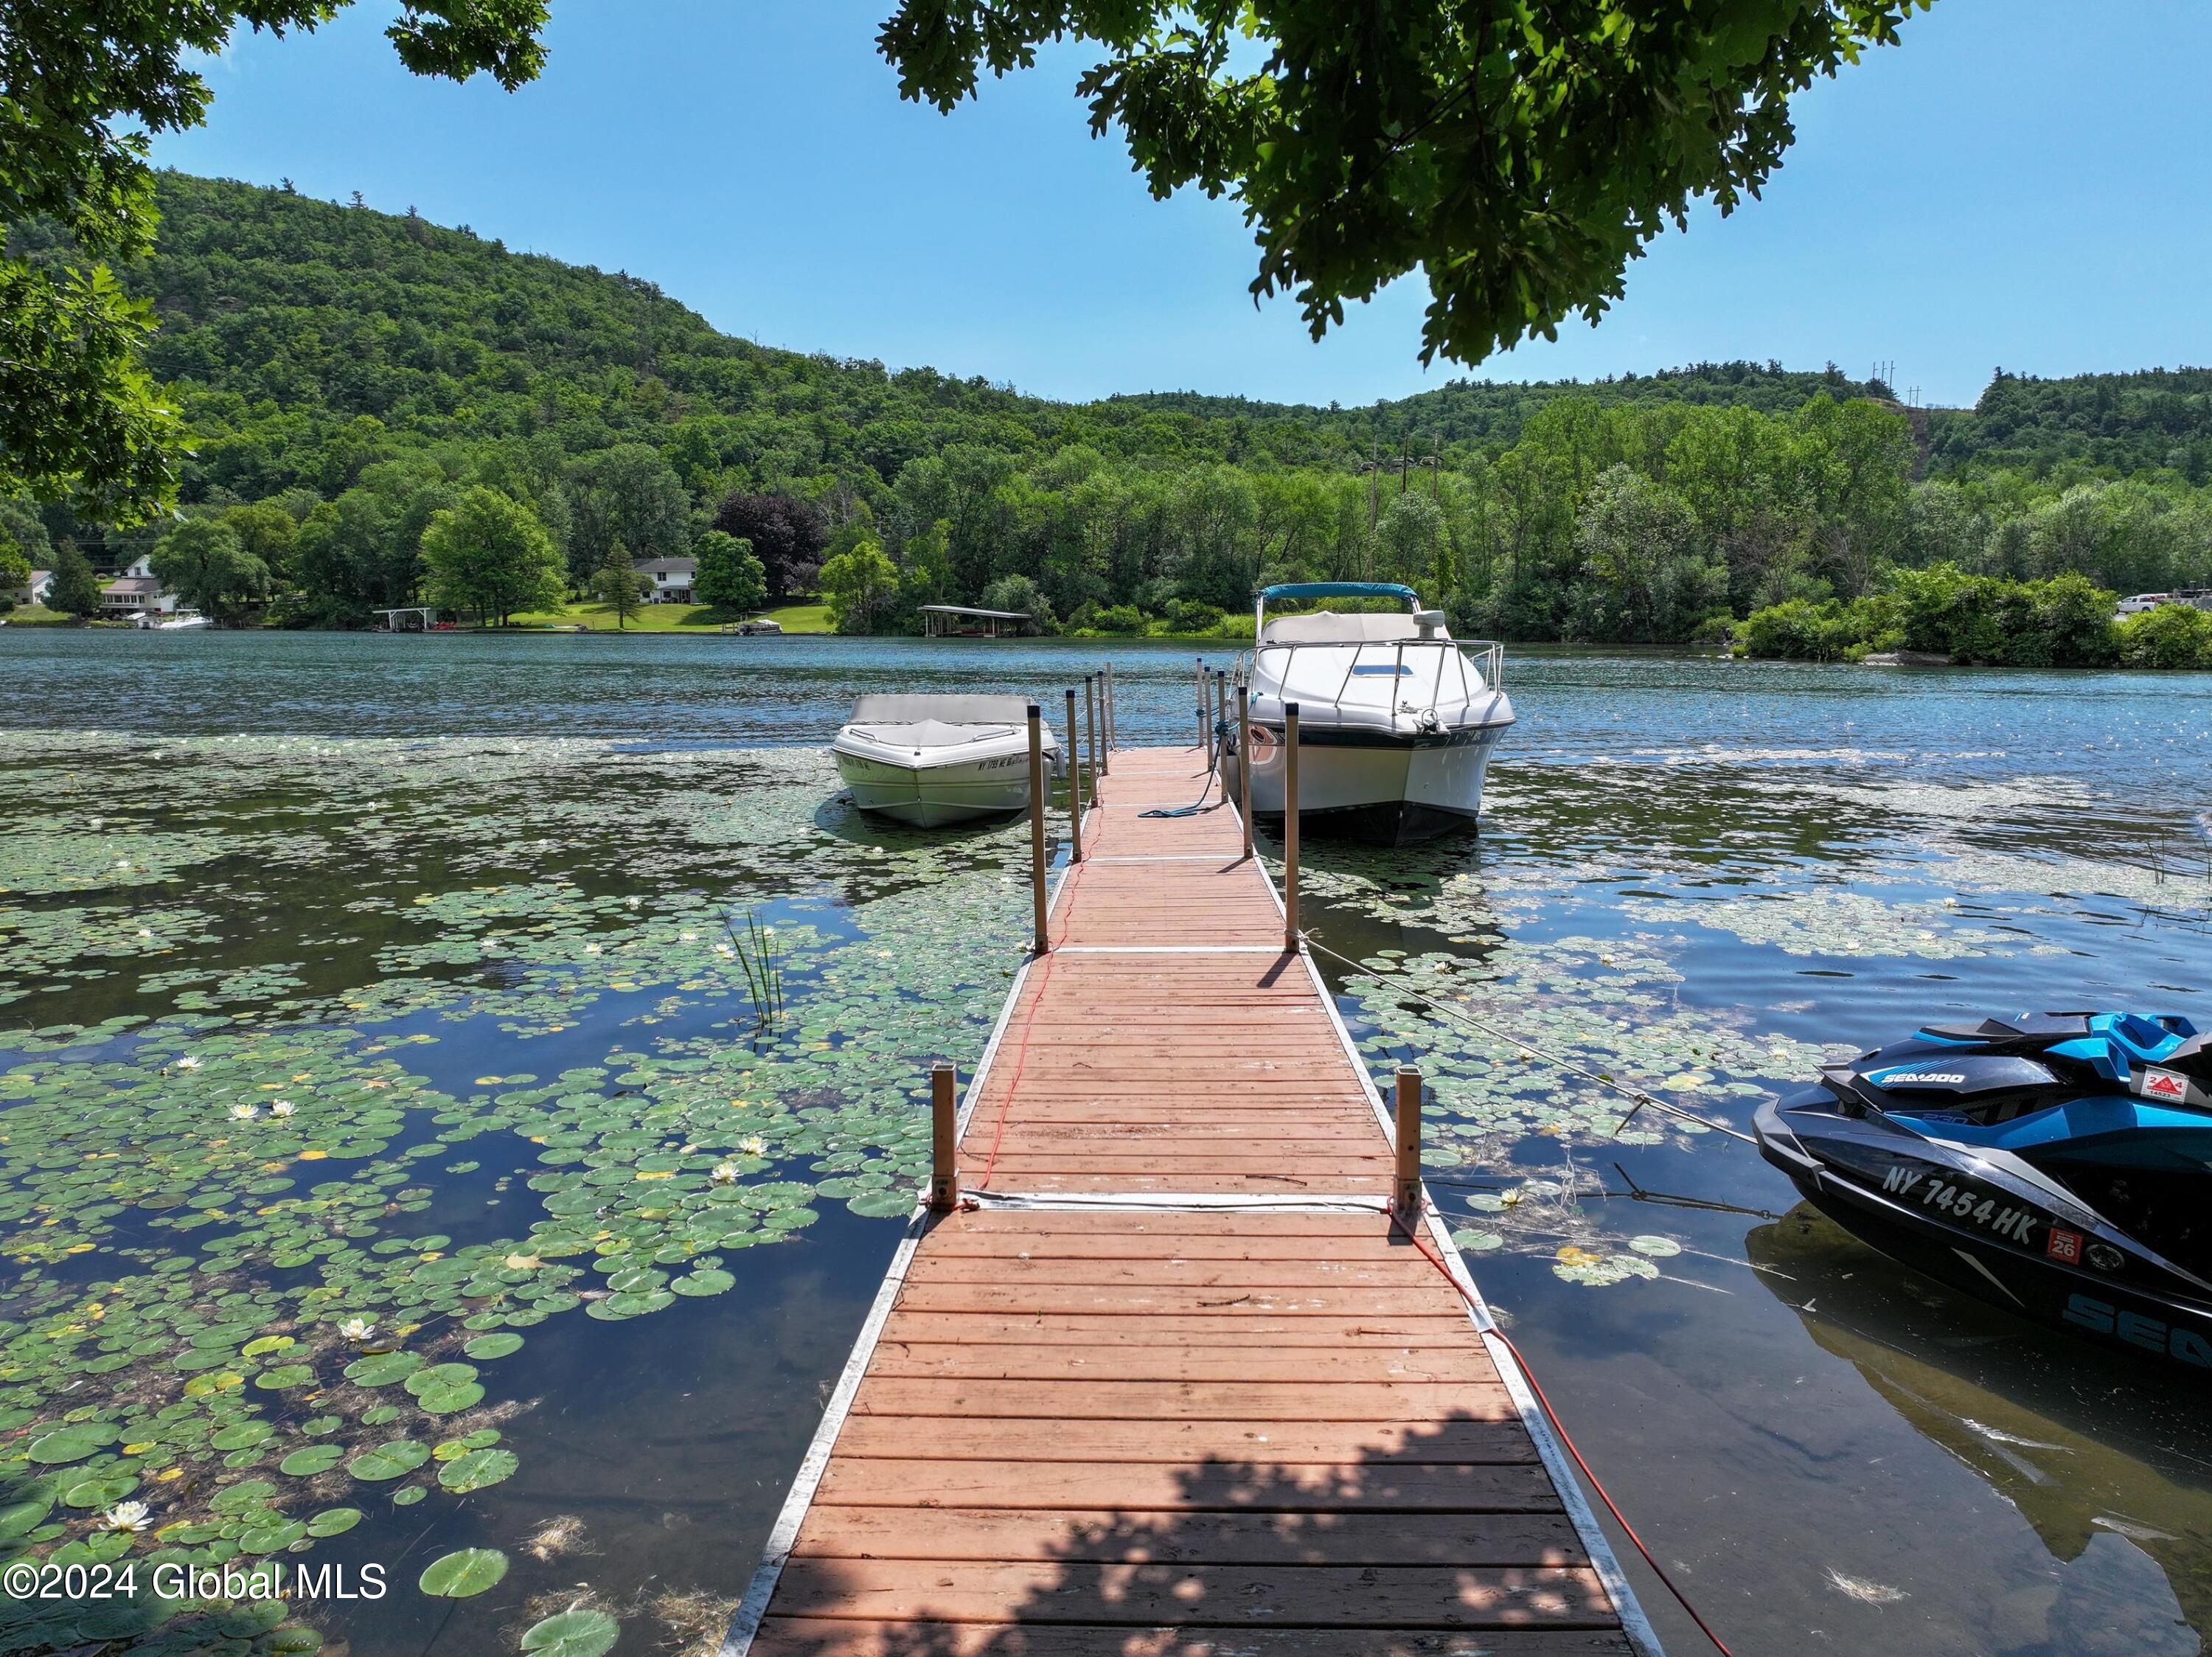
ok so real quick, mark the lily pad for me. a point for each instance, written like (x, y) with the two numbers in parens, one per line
(313, 1459)
(466, 1573)
(487, 1347)
(75, 1443)
(382, 1368)
(588, 1633)
(386, 1461)
(476, 1469)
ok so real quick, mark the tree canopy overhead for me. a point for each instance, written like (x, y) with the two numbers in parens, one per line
(1520, 152)
(82, 89)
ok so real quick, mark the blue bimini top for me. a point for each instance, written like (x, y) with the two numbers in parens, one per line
(1341, 590)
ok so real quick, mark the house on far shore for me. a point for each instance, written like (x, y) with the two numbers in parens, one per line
(672, 579)
(136, 592)
(35, 590)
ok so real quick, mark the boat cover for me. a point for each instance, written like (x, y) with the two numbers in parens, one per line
(1328, 627)
(930, 734)
(951, 710)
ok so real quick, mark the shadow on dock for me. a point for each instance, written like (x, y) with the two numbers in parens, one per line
(1448, 1542)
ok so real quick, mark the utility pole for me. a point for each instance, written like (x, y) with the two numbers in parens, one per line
(1374, 467)
(1437, 470)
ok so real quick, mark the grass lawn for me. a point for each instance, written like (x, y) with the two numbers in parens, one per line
(672, 619)
(36, 615)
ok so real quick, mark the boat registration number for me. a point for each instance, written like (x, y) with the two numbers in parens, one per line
(2012, 1221)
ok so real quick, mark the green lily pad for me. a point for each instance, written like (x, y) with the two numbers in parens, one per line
(313, 1459)
(334, 1521)
(486, 1347)
(466, 1573)
(475, 1469)
(698, 1283)
(382, 1368)
(67, 1444)
(393, 1461)
(588, 1633)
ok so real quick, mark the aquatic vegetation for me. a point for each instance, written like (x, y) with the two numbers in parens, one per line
(230, 1306)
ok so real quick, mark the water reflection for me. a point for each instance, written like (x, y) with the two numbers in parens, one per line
(2099, 1454)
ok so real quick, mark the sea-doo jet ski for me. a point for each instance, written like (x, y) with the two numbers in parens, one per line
(2055, 1164)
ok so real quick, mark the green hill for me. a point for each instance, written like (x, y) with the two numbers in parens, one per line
(348, 375)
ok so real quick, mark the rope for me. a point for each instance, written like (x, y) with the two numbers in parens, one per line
(1022, 1050)
(1194, 808)
(1489, 1326)
(1638, 1094)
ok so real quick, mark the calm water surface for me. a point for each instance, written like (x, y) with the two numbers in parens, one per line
(413, 860)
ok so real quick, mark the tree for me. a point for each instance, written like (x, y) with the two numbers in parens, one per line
(626, 494)
(488, 553)
(75, 589)
(1021, 596)
(201, 561)
(15, 570)
(787, 537)
(730, 577)
(351, 559)
(859, 585)
(1520, 154)
(617, 584)
(268, 533)
(79, 417)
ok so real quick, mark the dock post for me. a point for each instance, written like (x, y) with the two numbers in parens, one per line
(944, 1165)
(1244, 764)
(1074, 784)
(1106, 708)
(1220, 717)
(1201, 715)
(1090, 724)
(1036, 828)
(1292, 940)
(1408, 1139)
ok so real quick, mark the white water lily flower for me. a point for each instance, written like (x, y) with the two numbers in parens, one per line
(755, 1146)
(243, 1112)
(357, 1329)
(590, 949)
(188, 1063)
(127, 1516)
(282, 1107)
(632, 902)
(688, 937)
(725, 1173)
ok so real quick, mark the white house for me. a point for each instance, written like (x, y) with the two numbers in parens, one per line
(35, 590)
(136, 592)
(672, 579)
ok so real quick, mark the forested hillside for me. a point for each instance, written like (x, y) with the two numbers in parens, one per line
(363, 387)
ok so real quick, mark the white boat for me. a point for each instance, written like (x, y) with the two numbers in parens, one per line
(929, 760)
(182, 621)
(1396, 721)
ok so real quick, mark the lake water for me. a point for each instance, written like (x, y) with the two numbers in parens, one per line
(480, 912)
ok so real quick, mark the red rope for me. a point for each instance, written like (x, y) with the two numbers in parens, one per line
(1558, 1427)
(1022, 1051)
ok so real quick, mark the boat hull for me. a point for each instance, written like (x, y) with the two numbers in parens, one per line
(2026, 1253)
(931, 793)
(1374, 786)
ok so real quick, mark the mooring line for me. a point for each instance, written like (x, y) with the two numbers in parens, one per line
(1640, 1098)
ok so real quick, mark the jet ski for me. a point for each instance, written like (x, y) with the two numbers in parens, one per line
(2058, 1165)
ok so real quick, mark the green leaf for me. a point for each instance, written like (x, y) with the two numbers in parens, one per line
(463, 1573)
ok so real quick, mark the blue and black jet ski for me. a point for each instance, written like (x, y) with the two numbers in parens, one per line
(2055, 1164)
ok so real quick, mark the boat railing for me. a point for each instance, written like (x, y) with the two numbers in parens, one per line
(1489, 657)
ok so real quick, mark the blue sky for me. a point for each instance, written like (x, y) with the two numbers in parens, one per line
(2021, 182)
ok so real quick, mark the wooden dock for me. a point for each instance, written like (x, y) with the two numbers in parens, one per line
(1178, 1386)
